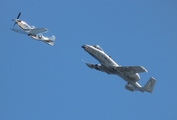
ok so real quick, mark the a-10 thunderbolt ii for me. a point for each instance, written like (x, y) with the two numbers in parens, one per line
(35, 33)
(128, 73)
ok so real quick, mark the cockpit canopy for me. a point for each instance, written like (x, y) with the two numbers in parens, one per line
(98, 47)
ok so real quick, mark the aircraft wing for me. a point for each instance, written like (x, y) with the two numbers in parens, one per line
(19, 31)
(36, 30)
(95, 66)
(131, 69)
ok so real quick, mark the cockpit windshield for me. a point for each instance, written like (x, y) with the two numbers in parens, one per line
(98, 47)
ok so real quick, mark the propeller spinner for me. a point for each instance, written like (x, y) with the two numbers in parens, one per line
(16, 18)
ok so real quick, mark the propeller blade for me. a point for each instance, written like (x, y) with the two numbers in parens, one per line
(16, 19)
(14, 24)
(19, 15)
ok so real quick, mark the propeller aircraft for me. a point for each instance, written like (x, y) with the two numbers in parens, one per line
(35, 33)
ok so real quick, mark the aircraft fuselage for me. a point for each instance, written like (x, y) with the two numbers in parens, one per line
(23, 25)
(108, 65)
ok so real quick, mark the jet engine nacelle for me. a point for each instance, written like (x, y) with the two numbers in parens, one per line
(135, 77)
(130, 87)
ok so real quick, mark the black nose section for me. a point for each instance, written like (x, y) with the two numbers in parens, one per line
(83, 46)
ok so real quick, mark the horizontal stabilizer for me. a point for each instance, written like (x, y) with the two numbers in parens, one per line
(51, 43)
(149, 86)
(52, 38)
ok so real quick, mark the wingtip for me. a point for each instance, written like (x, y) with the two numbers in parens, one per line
(144, 69)
(83, 60)
(46, 29)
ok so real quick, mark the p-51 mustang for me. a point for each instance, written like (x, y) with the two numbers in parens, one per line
(128, 73)
(35, 33)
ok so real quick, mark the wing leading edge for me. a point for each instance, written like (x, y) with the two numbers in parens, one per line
(30, 31)
(36, 30)
(132, 69)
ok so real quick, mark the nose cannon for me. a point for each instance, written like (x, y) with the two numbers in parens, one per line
(83, 46)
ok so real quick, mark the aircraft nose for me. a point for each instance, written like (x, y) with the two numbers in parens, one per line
(17, 20)
(83, 46)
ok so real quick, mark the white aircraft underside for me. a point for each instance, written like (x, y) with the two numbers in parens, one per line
(128, 73)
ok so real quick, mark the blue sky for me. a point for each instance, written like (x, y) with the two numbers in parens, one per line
(40, 82)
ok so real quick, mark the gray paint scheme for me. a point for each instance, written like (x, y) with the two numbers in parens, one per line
(128, 73)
